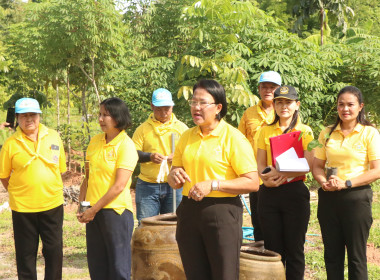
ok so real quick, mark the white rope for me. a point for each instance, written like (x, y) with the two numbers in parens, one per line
(164, 170)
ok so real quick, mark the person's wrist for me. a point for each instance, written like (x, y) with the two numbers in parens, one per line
(348, 184)
(215, 185)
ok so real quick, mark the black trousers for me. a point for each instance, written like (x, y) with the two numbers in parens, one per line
(345, 218)
(284, 214)
(209, 237)
(28, 228)
(253, 202)
(108, 239)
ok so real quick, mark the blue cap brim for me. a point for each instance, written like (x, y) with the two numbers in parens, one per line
(163, 103)
(23, 111)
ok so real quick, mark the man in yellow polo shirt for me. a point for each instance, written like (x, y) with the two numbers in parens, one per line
(31, 163)
(253, 119)
(154, 144)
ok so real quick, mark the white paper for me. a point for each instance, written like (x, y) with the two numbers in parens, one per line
(289, 161)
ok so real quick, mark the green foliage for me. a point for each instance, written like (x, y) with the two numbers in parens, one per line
(4, 134)
(307, 8)
(361, 68)
(216, 33)
(173, 44)
(366, 15)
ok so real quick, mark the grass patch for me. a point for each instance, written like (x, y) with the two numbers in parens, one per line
(74, 248)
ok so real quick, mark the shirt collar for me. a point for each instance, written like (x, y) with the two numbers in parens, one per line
(157, 122)
(42, 131)
(216, 132)
(358, 127)
(297, 127)
(114, 141)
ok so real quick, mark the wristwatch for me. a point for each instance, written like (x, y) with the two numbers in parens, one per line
(215, 185)
(348, 184)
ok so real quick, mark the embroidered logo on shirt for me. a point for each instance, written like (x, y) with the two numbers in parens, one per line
(110, 154)
(218, 151)
(55, 159)
(358, 147)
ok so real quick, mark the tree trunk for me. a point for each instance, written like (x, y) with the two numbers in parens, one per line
(322, 23)
(57, 89)
(68, 123)
(85, 118)
(92, 77)
(84, 111)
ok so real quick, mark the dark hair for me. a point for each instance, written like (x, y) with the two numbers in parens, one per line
(118, 111)
(361, 116)
(292, 123)
(217, 92)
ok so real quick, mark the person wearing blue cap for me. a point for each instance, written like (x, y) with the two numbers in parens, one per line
(31, 163)
(253, 119)
(155, 140)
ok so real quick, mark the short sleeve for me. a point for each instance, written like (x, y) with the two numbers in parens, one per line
(307, 137)
(373, 144)
(320, 152)
(177, 158)
(90, 148)
(127, 155)
(261, 139)
(138, 138)
(241, 126)
(5, 162)
(242, 156)
(62, 158)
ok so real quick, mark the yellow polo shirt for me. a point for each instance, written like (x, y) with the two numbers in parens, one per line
(351, 153)
(274, 130)
(253, 119)
(153, 136)
(34, 168)
(224, 154)
(104, 160)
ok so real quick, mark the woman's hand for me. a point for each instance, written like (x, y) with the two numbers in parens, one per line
(200, 190)
(177, 177)
(87, 216)
(273, 178)
(334, 184)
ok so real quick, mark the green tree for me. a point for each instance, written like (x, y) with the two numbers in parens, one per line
(361, 57)
(366, 15)
(307, 8)
(216, 34)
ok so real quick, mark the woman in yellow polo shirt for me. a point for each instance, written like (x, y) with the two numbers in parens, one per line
(31, 163)
(352, 145)
(112, 158)
(214, 163)
(284, 208)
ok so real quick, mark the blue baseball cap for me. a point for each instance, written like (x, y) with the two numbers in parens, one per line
(27, 105)
(270, 76)
(162, 97)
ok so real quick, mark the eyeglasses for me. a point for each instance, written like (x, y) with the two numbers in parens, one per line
(202, 104)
